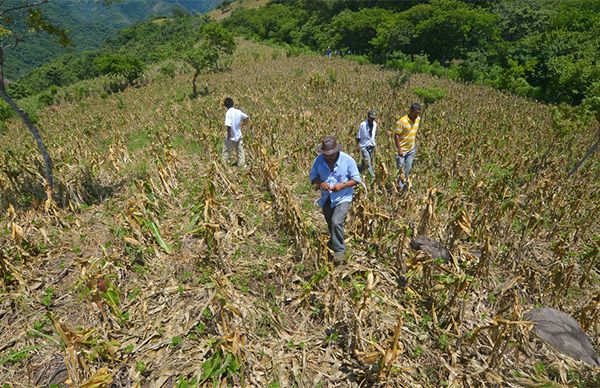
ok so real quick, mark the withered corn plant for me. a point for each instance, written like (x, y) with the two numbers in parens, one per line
(157, 264)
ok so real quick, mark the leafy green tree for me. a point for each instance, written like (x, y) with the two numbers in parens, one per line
(354, 30)
(445, 29)
(211, 52)
(127, 66)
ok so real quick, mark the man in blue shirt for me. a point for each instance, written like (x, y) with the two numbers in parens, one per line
(334, 173)
(365, 138)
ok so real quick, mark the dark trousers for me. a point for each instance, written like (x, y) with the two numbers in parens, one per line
(336, 218)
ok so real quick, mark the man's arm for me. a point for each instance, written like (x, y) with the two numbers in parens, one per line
(398, 141)
(228, 131)
(315, 180)
(344, 185)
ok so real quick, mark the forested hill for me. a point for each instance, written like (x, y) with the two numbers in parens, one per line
(89, 23)
(543, 49)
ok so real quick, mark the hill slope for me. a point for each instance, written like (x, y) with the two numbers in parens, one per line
(90, 23)
(166, 266)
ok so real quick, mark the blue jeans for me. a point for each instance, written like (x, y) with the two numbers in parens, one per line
(404, 164)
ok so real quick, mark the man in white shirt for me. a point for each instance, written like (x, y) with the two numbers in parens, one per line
(234, 121)
(365, 139)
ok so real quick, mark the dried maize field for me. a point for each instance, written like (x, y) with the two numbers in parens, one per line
(155, 264)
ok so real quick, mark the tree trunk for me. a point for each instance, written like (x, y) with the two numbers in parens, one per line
(28, 123)
(34, 131)
(194, 89)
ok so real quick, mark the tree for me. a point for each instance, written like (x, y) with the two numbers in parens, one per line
(211, 52)
(30, 14)
(122, 65)
(355, 30)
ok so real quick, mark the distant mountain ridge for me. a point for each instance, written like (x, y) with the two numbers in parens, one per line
(90, 23)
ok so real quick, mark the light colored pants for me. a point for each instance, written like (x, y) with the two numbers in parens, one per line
(336, 218)
(368, 159)
(230, 146)
(404, 164)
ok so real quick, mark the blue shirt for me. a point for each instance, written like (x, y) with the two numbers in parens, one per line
(365, 136)
(344, 169)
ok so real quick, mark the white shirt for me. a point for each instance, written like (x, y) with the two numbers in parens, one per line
(233, 119)
(364, 138)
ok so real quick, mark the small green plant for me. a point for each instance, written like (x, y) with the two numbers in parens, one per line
(183, 382)
(176, 341)
(418, 352)
(220, 365)
(332, 337)
(540, 368)
(15, 356)
(140, 366)
(47, 297)
(443, 341)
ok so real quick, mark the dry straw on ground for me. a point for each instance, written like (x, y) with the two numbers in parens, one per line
(157, 265)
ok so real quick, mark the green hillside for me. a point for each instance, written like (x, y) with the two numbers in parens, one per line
(158, 265)
(89, 23)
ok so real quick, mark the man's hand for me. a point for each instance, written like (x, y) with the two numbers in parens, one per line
(338, 187)
(325, 186)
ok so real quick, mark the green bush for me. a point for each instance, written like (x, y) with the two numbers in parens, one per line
(46, 99)
(121, 65)
(430, 95)
(6, 112)
(360, 59)
(168, 70)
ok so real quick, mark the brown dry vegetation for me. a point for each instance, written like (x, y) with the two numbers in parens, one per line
(157, 258)
(218, 14)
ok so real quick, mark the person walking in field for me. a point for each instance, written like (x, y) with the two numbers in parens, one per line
(335, 174)
(234, 121)
(404, 138)
(366, 143)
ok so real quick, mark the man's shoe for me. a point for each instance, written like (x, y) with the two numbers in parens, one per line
(339, 258)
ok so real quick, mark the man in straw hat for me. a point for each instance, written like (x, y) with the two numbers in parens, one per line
(334, 173)
(365, 138)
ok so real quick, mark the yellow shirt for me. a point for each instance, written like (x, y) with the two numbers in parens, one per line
(407, 130)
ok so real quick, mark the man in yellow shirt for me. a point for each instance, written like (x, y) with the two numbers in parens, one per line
(404, 137)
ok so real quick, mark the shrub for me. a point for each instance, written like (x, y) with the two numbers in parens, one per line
(46, 99)
(168, 70)
(127, 66)
(360, 59)
(17, 90)
(430, 95)
(6, 111)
